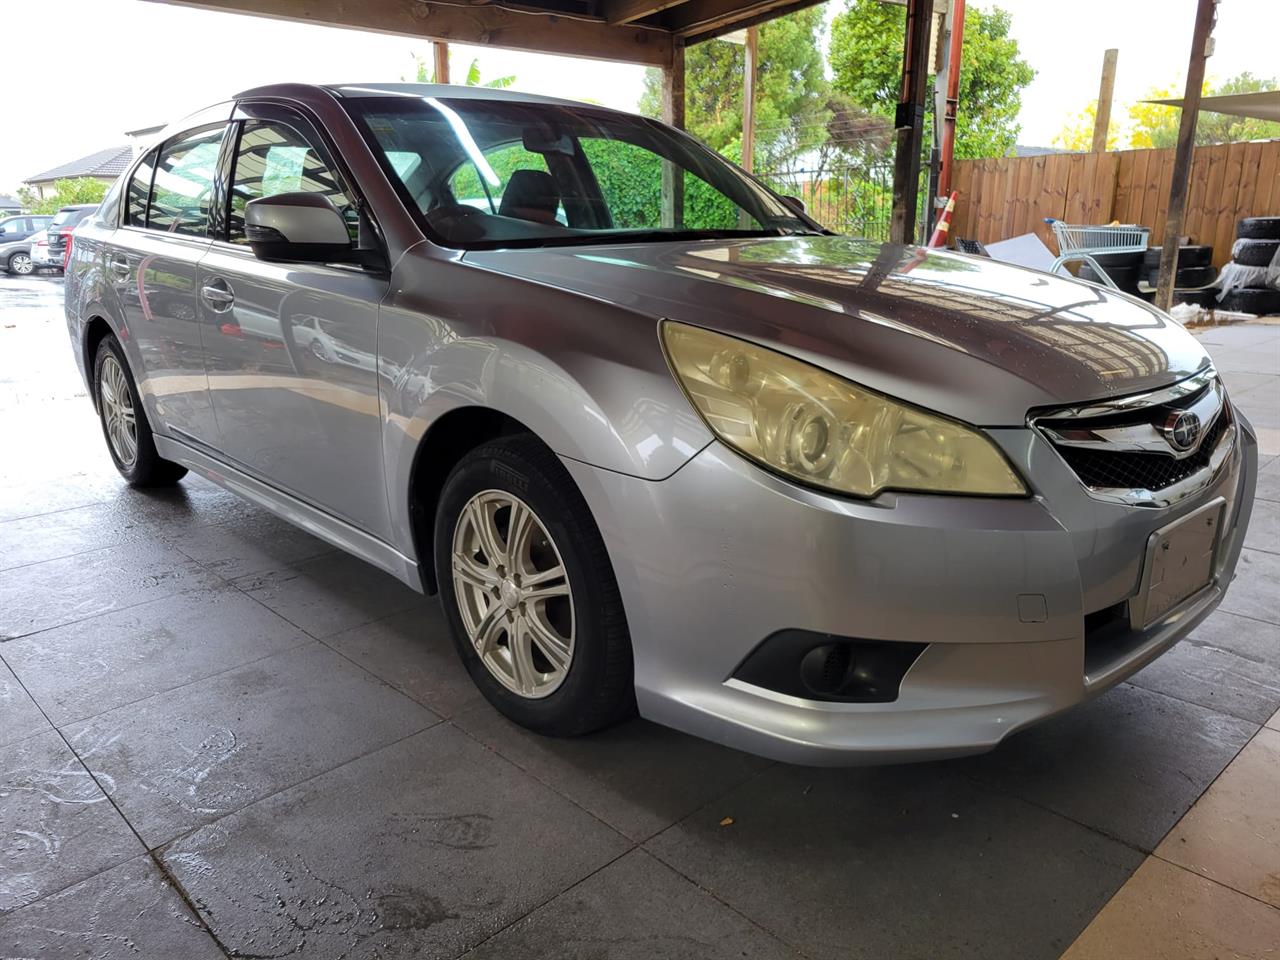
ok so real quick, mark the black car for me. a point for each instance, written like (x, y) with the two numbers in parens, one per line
(64, 221)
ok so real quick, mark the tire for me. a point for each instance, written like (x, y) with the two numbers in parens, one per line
(1202, 298)
(1261, 301)
(114, 393)
(595, 687)
(19, 263)
(1126, 278)
(1255, 253)
(1122, 260)
(1259, 228)
(1190, 255)
(1186, 277)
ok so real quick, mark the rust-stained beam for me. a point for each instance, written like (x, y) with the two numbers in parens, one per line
(627, 11)
(440, 51)
(485, 24)
(909, 122)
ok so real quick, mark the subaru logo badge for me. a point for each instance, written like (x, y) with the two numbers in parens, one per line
(1182, 430)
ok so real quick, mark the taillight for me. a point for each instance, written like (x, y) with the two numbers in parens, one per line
(66, 254)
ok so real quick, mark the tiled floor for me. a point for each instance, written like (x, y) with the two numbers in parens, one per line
(218, 737)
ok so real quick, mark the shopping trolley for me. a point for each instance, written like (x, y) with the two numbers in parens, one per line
(1083, 242)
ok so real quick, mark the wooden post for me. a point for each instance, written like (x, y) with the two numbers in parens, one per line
(1102, 120)
(673, 113)
(1206, 14)
(909, 121)
(440, 50)
(749, 98)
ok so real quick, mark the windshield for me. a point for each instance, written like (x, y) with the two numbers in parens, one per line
(497, 173)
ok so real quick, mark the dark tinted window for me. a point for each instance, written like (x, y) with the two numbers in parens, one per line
(274, 158)
(139, 190)
(182, 190)
(15, 227)
(66, 215)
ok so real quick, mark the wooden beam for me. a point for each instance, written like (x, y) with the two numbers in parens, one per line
(1206, 14)
(626, 11)
(440, 51)
(484, 24)
(910, 122)
(673, 113)
(1102, 120)
(752, 49)
(704, 19)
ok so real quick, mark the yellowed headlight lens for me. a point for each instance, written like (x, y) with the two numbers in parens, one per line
(812, 425)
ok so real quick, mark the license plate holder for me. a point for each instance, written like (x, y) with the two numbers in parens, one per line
(1179, 563)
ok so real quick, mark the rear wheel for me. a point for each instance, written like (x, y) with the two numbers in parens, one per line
(124, 422)
(529, 592)
(20, 263)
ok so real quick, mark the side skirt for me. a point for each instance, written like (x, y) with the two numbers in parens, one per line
(301, 514)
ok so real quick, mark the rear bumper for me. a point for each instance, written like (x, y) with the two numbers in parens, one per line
(721, 555)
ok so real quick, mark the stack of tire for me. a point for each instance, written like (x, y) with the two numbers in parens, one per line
(1258, 238)
(1126, 270)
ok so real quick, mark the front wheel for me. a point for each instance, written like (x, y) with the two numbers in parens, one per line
(20, 263)
(529, 592)
(124, 422)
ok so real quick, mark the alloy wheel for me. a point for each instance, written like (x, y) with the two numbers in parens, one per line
(117, 412)
(513, 593)
(20, 263)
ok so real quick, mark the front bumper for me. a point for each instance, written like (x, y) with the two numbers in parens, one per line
(721, 555)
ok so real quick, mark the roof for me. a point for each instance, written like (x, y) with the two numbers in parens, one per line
(105, 163)
(1264, 105)
(9, 203)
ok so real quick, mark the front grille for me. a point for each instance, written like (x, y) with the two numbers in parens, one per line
(1128, 470)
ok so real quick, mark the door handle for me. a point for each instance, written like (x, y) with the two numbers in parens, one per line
(218, 295)
(119, 266)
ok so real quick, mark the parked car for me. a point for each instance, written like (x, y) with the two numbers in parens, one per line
(15, 241)
(39, 250)
(64, 222)
(820, 498)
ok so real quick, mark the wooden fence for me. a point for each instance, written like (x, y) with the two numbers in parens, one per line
(1006, 197)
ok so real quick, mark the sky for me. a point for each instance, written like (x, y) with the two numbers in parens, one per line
(79, 111)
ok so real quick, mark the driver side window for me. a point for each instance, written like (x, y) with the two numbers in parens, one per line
(274, 158)
(182, 192)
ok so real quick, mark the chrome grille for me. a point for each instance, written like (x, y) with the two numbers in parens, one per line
(1103, 469)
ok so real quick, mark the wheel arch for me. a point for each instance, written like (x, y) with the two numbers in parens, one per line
(96, 329)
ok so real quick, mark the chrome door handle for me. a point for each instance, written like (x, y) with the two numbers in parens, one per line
(119, 266)
(218, 295)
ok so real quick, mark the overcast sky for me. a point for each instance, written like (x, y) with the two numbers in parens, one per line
(115, 65)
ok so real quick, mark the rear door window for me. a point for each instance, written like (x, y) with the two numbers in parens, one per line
(182, 188)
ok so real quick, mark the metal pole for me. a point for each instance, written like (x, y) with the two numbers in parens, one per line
(954, 57)
(1102, 120)
(440, 51)
(909, 122)
(1201, 49)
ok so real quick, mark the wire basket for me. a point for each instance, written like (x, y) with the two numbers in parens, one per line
(1085, 238)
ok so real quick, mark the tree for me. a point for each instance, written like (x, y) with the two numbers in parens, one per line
(1157, 126)
(791, 91)
(65, 193)
(1078, 135)
(423, 74)
(866, 59)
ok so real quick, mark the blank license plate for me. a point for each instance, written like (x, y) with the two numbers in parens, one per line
(1179, 562)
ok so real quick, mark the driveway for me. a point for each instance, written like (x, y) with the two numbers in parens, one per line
(219, 737)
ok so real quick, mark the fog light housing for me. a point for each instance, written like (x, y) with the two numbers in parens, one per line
(825, 667)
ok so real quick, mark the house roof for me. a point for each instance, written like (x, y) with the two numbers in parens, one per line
(9, 203)
(105, 163)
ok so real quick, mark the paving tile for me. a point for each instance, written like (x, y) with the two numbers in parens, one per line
(129, 911)
(190, 755)
(1268, 479)
(55, 592)
(638, 777)
(1264, 527)
(1232, 834)
(250, 544)
(419, 850)
(331, 593)
(1229, 663)
(634, 909)
(33, 494)
(1255, 591)
(85, 668)
(19, 715)
(1167, 913)
(1129, 763)
(903, 862)
(413, 652)
(56, 826)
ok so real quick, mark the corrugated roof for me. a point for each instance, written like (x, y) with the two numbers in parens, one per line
(105, 163)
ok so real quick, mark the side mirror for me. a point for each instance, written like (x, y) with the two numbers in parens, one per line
(298, 227)
(795, 203)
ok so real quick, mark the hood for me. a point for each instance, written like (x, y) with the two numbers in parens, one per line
(966, 336)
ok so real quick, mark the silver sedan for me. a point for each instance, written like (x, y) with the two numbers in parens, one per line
(659, 441)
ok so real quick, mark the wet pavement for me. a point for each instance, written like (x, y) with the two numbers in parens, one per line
(219, 737)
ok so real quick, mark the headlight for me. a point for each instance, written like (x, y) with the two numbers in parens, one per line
(807, 423)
